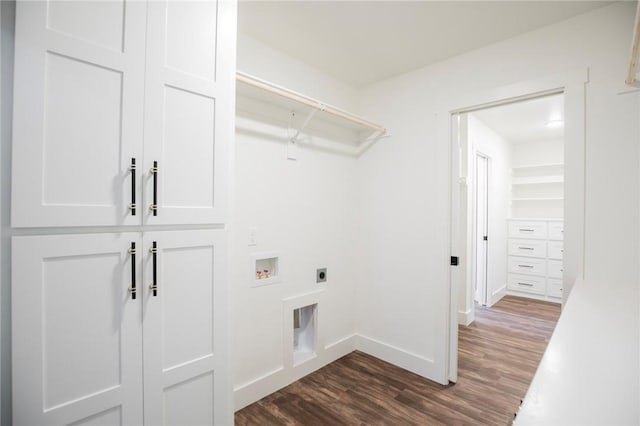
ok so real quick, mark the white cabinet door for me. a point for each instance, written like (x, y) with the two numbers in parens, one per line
(189, 110)
(78, 111)
(185, 329)
(77, 332)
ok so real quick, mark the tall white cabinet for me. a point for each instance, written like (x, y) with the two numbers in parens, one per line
(536, 231)
(123, 118)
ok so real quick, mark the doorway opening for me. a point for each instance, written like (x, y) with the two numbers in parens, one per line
(510, 223)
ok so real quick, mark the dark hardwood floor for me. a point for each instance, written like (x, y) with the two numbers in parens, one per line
(498, 355)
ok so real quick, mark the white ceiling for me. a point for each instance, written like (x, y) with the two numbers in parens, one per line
(525, 122)
(361, 42)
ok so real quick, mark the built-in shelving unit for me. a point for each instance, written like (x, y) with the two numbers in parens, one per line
(537, 190)
(308, 109)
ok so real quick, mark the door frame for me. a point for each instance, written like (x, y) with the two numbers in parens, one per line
(474, 261)
(572, 85)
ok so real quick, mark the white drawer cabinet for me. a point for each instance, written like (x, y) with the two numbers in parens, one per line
(527, 265)
(528, 229)
(554, 287)
(535, 251)
(555, 268)
(526, 283)
(556, 230)
(555, 250)
(528, 248)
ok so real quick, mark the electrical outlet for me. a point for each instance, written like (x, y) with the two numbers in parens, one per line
(321, 275)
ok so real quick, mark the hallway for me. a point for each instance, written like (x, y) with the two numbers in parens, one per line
(499, 353)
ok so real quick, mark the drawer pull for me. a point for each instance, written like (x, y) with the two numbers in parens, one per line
(526, 284)
(525, 248)
(526, 230)
(525, 266)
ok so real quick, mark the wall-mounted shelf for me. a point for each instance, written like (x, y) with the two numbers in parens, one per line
(537, 180)
(538, 166)
(538, 199)
(309, 108)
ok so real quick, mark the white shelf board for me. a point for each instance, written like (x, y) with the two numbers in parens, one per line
(537, 180)
(542, 219)
(537, 166)
(538, 199)
(289, 100)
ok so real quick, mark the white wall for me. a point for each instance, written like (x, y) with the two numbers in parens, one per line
(539, 152)
(485, 140)
(404, 179)
(304, 210)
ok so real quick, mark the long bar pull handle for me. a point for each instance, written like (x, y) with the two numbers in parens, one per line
(154, 284)
(154, 171)
(132, 169)
(526, 230)
(525, 248)
(526, 284)
(132, 287)
(526, 266)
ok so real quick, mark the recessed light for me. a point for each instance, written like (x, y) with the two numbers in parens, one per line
(554, 124)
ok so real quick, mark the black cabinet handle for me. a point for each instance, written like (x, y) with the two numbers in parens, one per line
(132, 252)
(526, 284)
(525, 248)
(132, 168)
(154, 171)
(154, 284)
(525, 266)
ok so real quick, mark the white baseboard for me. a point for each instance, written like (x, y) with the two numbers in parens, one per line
(497, 295)
(409, 361)
(466, 317)
(258, 388)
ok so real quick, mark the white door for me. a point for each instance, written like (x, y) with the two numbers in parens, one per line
(78, 112)
(189, 110)
(185, 329)
(481, 228)
(77, 332)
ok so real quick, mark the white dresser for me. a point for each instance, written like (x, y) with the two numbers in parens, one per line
(534, 266)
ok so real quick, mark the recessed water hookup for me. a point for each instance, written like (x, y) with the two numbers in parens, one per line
(321, 275)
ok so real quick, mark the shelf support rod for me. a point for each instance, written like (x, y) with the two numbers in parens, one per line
(305, 124)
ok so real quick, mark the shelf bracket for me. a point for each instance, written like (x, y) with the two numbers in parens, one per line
(292, 145)
(365, 144)
(306, 121)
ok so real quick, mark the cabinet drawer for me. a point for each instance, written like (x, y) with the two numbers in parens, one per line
(555, 268)
(526, 229)
(554, 287)
(556, 230)
(555, 250)
(529, 248)
(527, 283)
(527, 265)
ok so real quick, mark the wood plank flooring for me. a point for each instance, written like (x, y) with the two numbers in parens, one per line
(498, 355)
